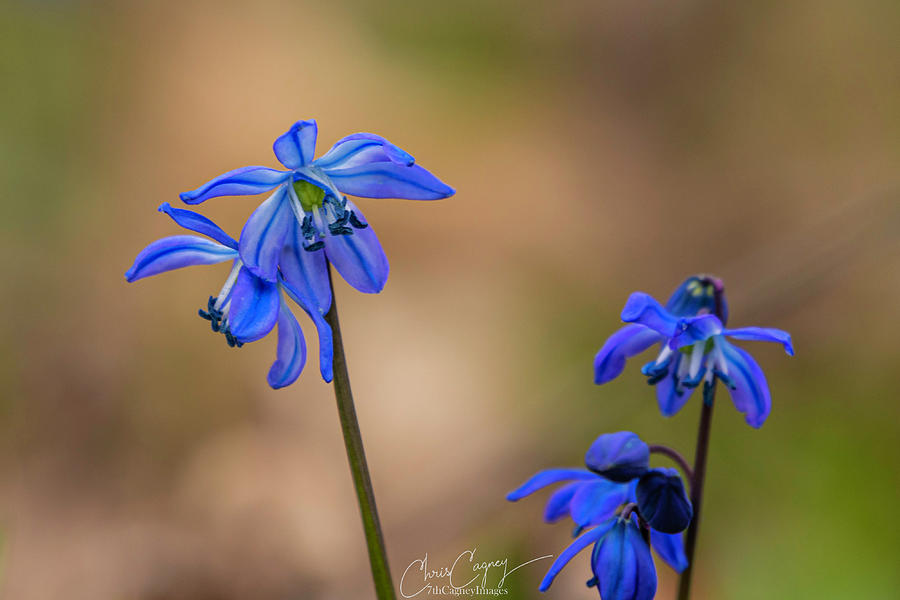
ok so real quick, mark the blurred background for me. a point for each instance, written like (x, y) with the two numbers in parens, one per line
(597, 149)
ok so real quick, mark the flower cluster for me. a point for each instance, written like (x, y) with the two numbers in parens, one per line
(694, 349)
(286, 245)
(624, 508)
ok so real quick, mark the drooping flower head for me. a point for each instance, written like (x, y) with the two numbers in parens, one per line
(693, 350)
(248, 307)
(308, 200)
(609, 512)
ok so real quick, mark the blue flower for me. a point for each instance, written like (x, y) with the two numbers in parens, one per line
(662, 501)
(248, 307)
(308, 199)
(592, 500)
(621, 562)
(693, 350)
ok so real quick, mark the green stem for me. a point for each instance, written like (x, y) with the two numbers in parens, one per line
(356, 456)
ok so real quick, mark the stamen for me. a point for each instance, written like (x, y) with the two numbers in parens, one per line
(229, 283)
(355, 222)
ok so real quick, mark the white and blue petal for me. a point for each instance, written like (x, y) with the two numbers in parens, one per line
(197, 222)
(245, 181)
(747, 385)
(389, 180)
(254, 307)
(291, 351)
(695, 329)
(625, 343)
(763, 334)
(585, 540)
(176, 252)
(296, 147)
(264, 235)
(305, 271)
(670, 547)
(548, 477)
(363, 148)
(643, 309)
(359, 257)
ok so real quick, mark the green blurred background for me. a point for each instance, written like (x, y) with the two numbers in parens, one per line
(597, 148)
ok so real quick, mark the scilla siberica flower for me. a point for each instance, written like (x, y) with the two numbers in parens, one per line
(248, 307)
(621, 563)
(311, 193)
(694, 349)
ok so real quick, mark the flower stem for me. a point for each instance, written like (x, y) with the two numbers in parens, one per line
(356, 456)
(699, 475)
(677, 457)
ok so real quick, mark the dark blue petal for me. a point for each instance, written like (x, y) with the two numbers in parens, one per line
(696, 295)
(619, 456)
(254, 307)
(548, 477)
(644, 309)
(291, 353)
(763, 334)
(663, 502)
(696, 329)
(197, 222)
(669, 395)
(359, 258)
(558, 504)
(245, 181)
(670, 548)
(750, 390)
(296, 147)
(326, 343)
(264, 233)
(597, 501)
(574, 548)
(176, 252)
(363, 148)
(623, 565)
(389, 180)
(625, 343)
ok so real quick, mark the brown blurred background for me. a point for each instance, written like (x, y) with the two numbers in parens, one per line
(597, 148)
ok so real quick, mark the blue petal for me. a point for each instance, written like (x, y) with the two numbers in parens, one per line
(625, 343)
(696, 329)
(326, 347)
(291, 353)
(176, 252)
(696, 294)
(363, 148)
(245, 181)
(359, 258)
(254, 307)
(197, 222)
(619, 456)
(669, 396)
(644, 309)
(306, 272)
(750, 391)
(763, 334)
(296, 147)
(389, 180)
(558, 504)
(574, 548)
(670, 548)
(623, 564)
(548, 477)
(264, 233)
(597, 501)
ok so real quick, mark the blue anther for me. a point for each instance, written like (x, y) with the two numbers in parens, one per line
(354, 220)
(314, 246)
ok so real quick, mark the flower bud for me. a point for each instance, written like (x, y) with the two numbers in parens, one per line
(662, 502)
(620, 456)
